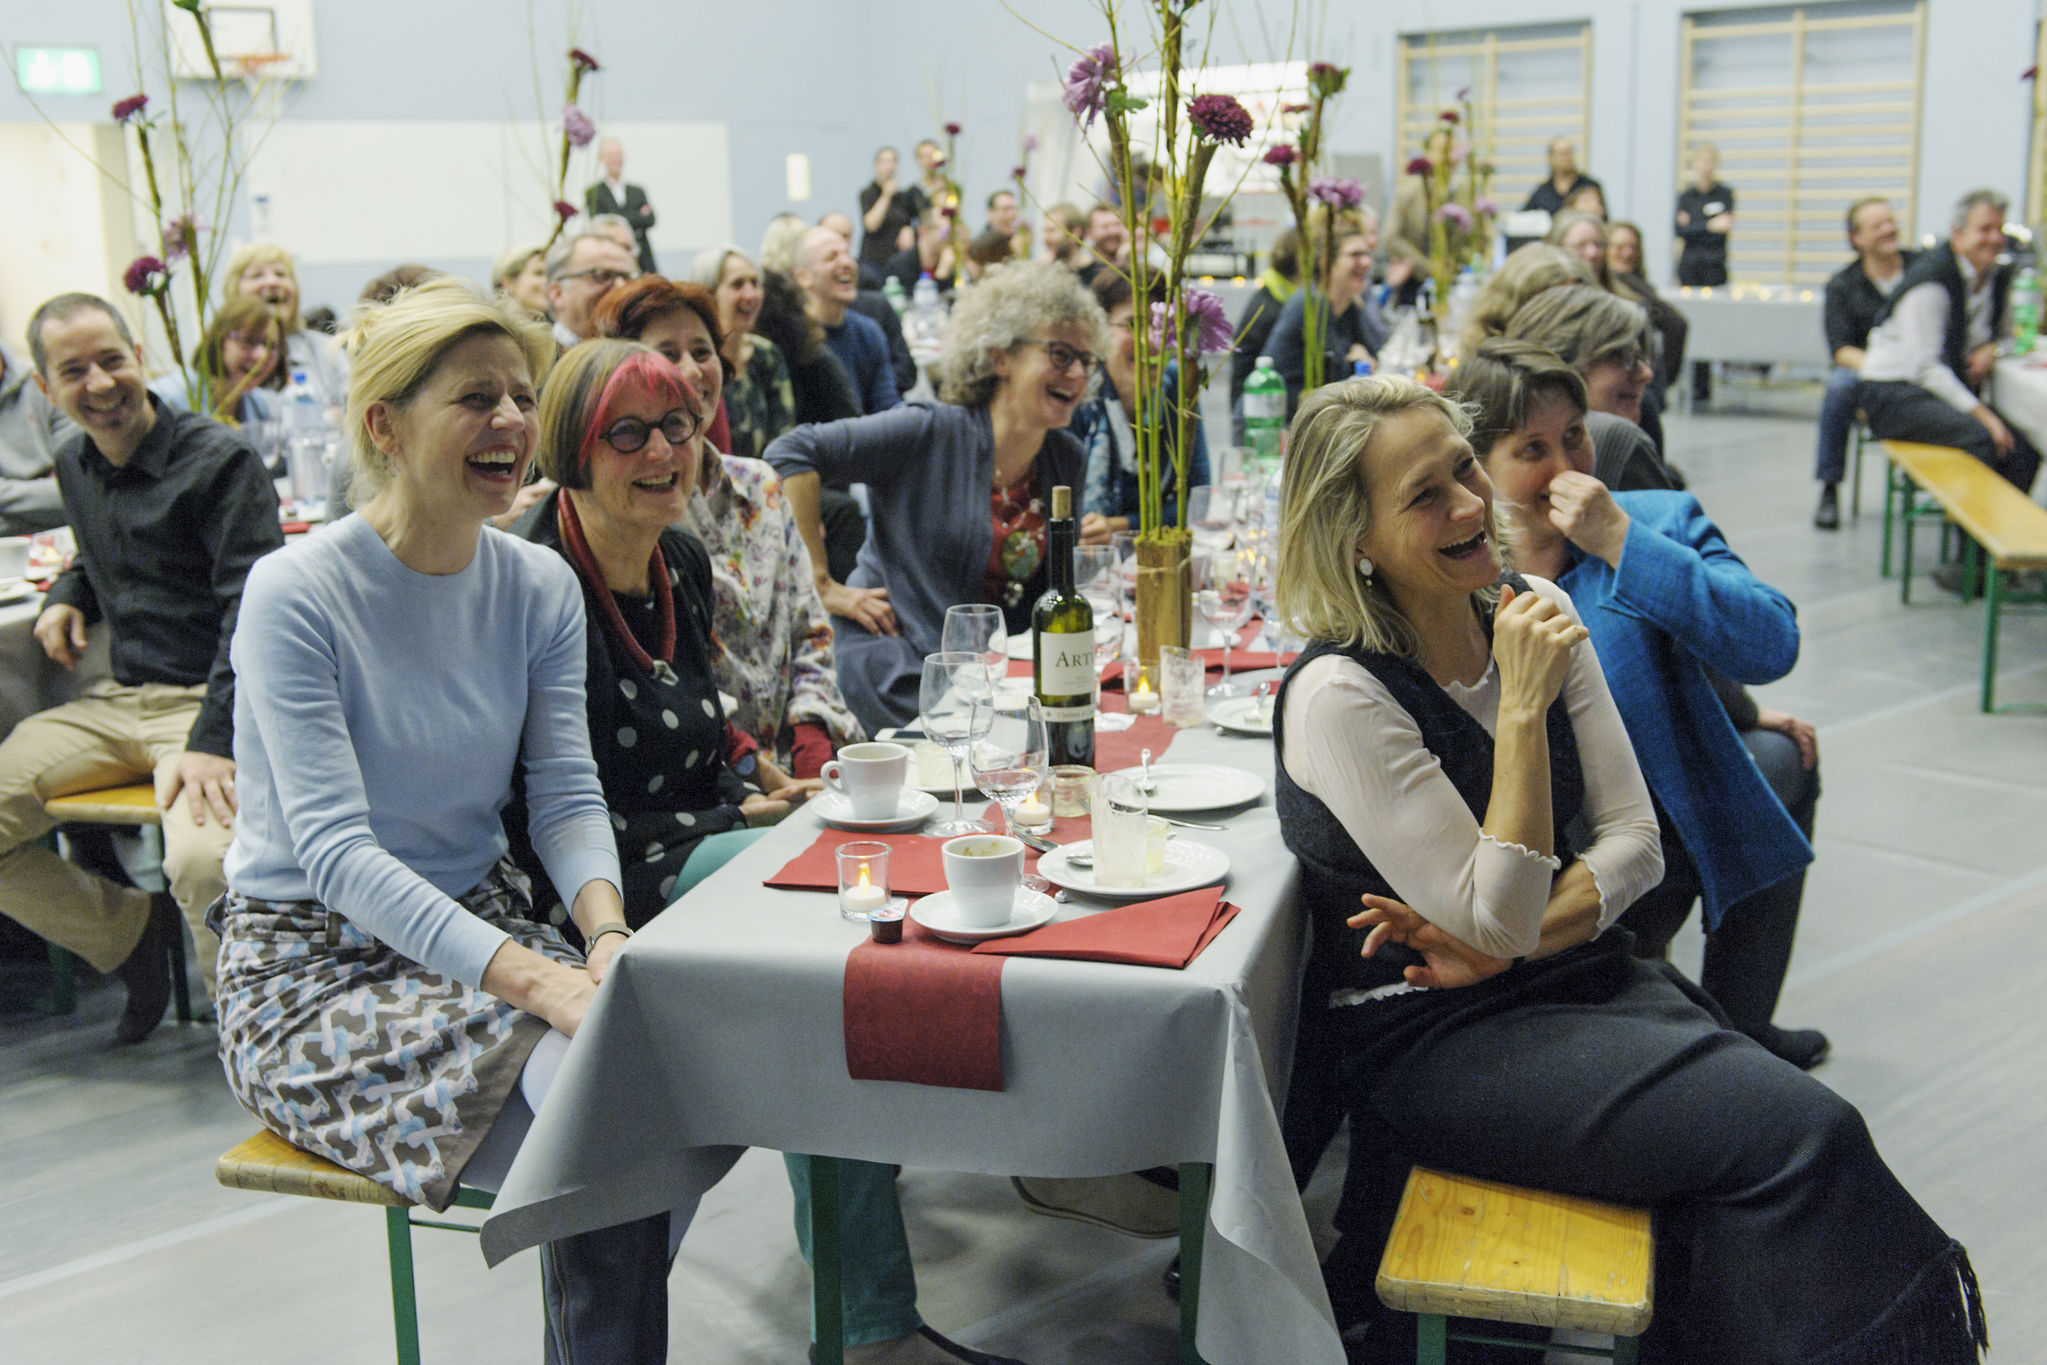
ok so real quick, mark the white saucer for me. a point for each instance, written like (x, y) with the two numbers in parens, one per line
(913, 808)
(1189, 865)
(1241, 715)
(1184, 787)
(940, 915)
(16, 589)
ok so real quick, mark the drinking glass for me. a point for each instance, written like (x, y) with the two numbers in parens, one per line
(977, 628)
(1211, 517)
(954, 681)
(1224, 593)
(1119, 816)
(1010, 757)
(1179, 687)
(1098, 576)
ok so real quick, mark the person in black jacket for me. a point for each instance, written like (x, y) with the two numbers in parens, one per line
(1704, 219)
(1857, 295)
(612, 195)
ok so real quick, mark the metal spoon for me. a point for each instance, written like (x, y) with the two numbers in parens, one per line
(1144, 782)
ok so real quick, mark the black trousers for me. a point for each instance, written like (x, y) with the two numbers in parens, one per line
(606, 1295)
(845, 531)
(1781, 1235)
(1747, 956)
(1899, 411)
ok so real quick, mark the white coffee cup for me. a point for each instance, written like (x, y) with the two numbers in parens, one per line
(13, 557)
(870, 777)
(982, 872)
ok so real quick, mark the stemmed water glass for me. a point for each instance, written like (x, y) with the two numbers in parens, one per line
(1211, 517)
(978, 628)
(1098, 576)
(1224, 592)
(952, 707)
(1010, 757)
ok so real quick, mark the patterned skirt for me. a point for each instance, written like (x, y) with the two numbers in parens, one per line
(349, 1050)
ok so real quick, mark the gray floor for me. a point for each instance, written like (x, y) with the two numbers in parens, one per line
(1921, 952)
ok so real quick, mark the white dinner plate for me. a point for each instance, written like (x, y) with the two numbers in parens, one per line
(1188, 865)
(940, 914)
(1241, 716)
(913, 808)
(1182, 787)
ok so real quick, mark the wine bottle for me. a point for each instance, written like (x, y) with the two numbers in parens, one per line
(1063, 646)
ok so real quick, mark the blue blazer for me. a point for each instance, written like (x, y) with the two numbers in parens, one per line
(1680, 597)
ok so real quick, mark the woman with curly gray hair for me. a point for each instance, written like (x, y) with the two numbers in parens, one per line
(957, 489)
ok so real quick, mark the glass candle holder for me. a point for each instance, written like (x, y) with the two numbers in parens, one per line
(1034, 812)
(1141, 697)
(1069, 790)
(1181, 674)
(863, 878)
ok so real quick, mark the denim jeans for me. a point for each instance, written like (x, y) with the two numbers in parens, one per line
(878, 1287)
(1837, 424)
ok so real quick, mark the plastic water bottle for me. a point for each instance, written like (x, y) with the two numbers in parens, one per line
(924, 324)
(305, 440)
(1264, 415)
(2025, 311)
(892, 290)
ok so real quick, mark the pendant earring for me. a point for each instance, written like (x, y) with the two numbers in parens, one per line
(1365, 569)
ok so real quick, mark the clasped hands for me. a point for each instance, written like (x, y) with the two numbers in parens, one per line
(1447, 961)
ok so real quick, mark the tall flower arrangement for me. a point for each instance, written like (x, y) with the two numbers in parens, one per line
(1315, 199)
(1457, 188)
(577, 131)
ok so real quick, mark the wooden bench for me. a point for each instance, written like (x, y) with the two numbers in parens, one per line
(1471, 1248)
(2001, 525)
(268, 1164)
(132, 807)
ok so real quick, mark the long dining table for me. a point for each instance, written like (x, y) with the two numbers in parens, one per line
(720, 1025)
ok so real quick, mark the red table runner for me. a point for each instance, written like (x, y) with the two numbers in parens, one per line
(1168, 932)
(923, 1011)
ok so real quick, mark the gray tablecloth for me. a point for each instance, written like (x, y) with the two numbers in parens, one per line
(2020, 393)
(29, 681)
(720, 1023)
(1788, 328)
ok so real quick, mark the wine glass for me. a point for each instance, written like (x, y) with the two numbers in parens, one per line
(953, 683)
(978, 628)
(1224, 591)
(1098, 576)
(1211, 517)
(1010, 757)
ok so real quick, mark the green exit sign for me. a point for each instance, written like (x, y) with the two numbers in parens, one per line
(58, 70)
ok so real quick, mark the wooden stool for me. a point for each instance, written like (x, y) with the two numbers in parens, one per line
(1476, 1249)
(131, 807)
(270, 1165)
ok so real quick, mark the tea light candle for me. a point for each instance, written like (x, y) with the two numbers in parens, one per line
(1032, 813)
(1143, 701)
(863, 879)
(863, 898)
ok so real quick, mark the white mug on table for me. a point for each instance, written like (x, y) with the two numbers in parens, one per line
(870, 777)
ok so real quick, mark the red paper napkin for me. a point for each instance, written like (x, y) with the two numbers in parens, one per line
(914, 868)
(1168, 932)
(1116, 749)
(923, 1011)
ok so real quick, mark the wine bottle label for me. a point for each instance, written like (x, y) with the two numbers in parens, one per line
(1055, 715)
(1066, 663)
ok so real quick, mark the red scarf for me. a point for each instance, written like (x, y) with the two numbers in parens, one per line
(657, 573)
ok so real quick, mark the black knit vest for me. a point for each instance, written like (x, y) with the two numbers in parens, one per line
(1335, 873)
(1939, 266)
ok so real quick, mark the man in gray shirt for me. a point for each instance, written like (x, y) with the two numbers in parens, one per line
(31, 429)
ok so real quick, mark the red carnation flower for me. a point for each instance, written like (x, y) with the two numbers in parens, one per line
(1449, 116)
(1295, 108)
(1017, 173)
(1282, 155)
(582, 60)
(146, 275)
(565, 210)
(130, 107)
(952, 130)
(1419, 166)
(1220, 118)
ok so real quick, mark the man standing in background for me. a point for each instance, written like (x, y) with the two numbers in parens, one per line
(613, 195)
(888, 211)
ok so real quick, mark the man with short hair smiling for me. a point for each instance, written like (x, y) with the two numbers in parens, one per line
(1857, 295)
(170, 510)
(581, 270)
(1935, 343)
(1108, 242)
(830, 281)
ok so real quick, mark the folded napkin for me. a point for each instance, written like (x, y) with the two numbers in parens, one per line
(914, 868)
(923, 1011)
(1169, 932)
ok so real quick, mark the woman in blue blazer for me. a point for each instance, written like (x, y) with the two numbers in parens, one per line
(1680, 625)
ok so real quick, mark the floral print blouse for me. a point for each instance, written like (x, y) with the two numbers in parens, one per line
(776, 660)
(760, 404)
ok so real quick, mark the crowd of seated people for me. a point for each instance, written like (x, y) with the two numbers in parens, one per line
(597, 531)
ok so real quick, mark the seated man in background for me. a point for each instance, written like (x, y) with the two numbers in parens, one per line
(1857, 295)
(582, 268)
(830, 281)
(872, 304)
(170, 511)
(1934, 345)
(30, 432)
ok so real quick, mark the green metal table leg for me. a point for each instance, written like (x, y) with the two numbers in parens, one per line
(63, 981)
(1890, 500)
(1195, 1179)
(404, 1301)
(1972, 569)
(1432, 1339)
(1992, 599)
(1905, 567)
(1855, 479)
(827, 1308)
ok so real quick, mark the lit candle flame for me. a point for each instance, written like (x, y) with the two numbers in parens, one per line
(863, 875)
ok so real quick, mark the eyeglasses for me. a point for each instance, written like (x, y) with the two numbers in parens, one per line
(1627, 359)
(629, 434)
(1062, 356)
(604, 275)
